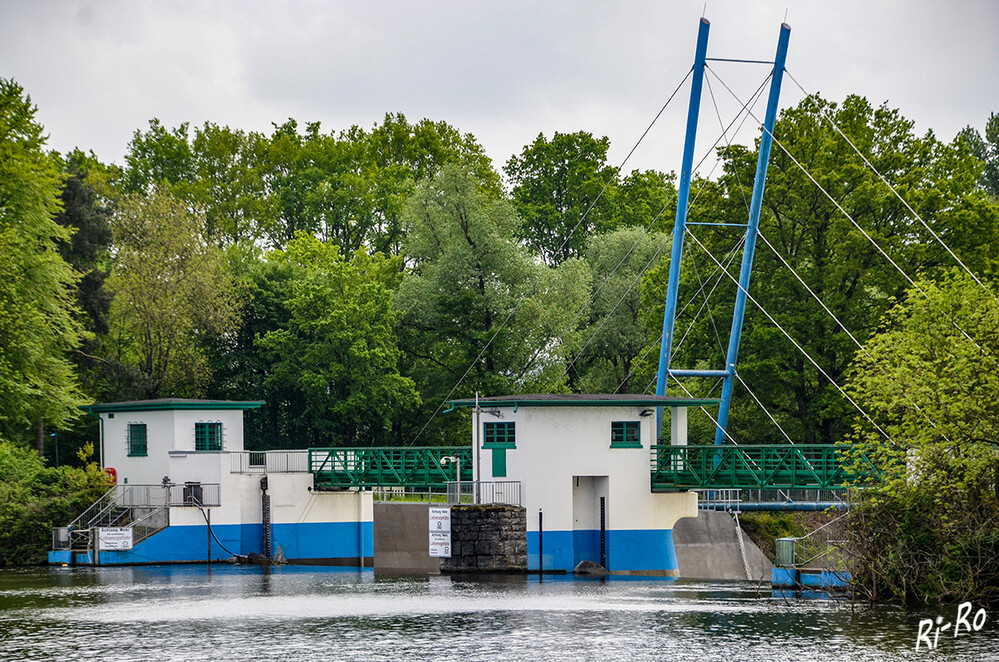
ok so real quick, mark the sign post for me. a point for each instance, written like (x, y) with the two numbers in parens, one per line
(440, 532)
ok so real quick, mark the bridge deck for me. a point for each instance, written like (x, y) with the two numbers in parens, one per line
(813, 466)
(802, 466)
(415, 467)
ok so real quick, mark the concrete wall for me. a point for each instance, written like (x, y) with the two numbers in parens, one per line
(707, 548)
(402, 539)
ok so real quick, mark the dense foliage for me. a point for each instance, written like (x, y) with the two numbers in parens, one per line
(929, 531)
(34, 498)
(38, 327)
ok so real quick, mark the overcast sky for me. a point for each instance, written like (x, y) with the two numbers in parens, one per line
(503, 71)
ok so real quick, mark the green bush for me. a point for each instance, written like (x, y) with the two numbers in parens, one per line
(764, 528)
(913, 545)
(34, 498)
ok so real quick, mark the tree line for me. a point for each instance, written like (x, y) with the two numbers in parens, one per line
(355, 279)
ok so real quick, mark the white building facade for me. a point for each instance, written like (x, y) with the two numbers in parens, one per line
(584, 465)
(185, 459)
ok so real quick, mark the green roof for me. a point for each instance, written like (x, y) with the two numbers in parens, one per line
(170, 404)
(584, 400)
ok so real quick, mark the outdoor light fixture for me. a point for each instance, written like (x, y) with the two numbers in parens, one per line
(647, 412)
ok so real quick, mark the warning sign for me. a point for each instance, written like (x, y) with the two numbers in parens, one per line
(440, 532)
(440, 544)
(114, 538)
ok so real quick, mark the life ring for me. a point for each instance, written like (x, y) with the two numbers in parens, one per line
(112, 475)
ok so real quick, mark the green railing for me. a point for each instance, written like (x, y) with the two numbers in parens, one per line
(811, 466)
(412, 467)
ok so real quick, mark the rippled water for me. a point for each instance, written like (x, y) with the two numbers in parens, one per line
(194, 613)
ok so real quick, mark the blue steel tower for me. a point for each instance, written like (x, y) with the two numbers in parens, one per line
(679, 230)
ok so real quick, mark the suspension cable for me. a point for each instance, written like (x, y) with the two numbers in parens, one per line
(534, 285)
(795, 343)
(894, 191)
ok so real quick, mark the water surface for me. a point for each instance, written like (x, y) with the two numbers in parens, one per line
(192, 613)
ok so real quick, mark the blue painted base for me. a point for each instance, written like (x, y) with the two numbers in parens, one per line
(338, 543)
(809, 579)
(627, 551)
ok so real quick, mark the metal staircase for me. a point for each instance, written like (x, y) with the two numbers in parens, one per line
(143, 508)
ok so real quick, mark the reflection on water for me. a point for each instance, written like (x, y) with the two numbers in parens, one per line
(290, 613)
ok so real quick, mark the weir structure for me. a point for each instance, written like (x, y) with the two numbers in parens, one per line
(578, 462)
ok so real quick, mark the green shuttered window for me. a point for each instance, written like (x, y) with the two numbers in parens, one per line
(626, 434)
(499, 435)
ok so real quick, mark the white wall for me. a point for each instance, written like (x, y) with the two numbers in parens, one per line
(554, 445)
(170, 445)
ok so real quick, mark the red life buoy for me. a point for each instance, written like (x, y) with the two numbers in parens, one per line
(112, 475)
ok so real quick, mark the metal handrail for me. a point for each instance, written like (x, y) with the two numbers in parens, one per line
(252, 462)
(801, 466)
(100, 504)
(484, 492)
(152, 522)
(386, 467)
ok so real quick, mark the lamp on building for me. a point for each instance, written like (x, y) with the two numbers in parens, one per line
(454, 459)
(647, 412)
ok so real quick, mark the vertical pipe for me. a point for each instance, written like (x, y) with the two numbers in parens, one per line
(541, 541)
(477, 476)
(208, 533)
(679, 227)
(360, 527)
(603, 531)
(751, 231)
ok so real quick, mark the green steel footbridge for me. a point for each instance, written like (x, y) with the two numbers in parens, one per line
(704, 467)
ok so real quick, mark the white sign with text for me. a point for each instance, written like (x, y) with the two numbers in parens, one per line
(114, 538)
(440, 532)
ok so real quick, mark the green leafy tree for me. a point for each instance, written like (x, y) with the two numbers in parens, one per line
(929, 531)
(479, 312)
(645, 199)
(34, 498)
(86, 216)
(170, 287)
(157, 156)
(240, 366)
(986, 149)
(556, 188)
(616, 338)
(338, 353)
(350, 189)
(346, 188)
(229, 184)
(37, 322)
